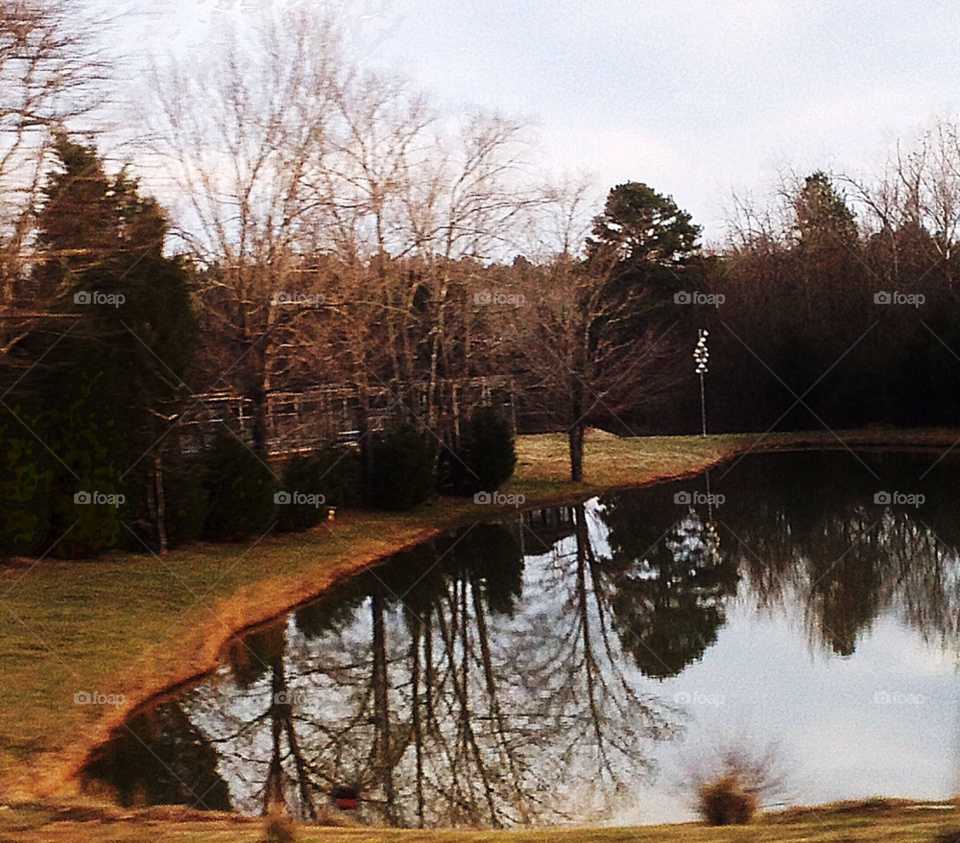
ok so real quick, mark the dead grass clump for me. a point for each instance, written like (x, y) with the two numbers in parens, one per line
(725, 801)
(279, 827)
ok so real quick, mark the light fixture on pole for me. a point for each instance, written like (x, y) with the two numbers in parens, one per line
(701, 356)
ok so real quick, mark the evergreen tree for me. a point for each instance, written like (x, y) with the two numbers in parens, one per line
(112, 386)
(640, 226)
(822, 215)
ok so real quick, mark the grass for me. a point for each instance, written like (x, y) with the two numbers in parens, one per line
(132, 625)
(888, 820)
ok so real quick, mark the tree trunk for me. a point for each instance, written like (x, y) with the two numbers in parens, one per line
(274, 798)
(417, 724)
(382, 749)
(575, 433)
(160, 503)
(575, 438)
(366, 442)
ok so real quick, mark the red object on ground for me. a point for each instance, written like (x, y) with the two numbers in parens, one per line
(345, 798)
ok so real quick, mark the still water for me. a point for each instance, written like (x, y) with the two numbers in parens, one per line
(587, 663)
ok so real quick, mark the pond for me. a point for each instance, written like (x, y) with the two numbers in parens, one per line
(587, 663)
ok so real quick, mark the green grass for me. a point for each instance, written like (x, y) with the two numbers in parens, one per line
(133, 624)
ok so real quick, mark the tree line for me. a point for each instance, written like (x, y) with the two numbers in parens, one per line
(324, 226)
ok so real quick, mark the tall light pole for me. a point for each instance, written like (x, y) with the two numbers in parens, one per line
(701, 355)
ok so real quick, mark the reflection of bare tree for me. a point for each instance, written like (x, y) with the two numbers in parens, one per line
(466, 703)
(282, 725)
(612, 700)
(600, 725)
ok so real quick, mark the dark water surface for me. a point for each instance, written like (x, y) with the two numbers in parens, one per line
(585, 663)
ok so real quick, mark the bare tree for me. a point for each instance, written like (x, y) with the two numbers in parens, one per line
(241, 137)
(50, 77)
(590, 357)
(475, 212)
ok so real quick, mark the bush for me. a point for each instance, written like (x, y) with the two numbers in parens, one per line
(279, 827)
(75, 416)
(334, 472)
(241, 490)
(725, 802)
(82, 424)
(403, 471)
(729, 790)
(26, 487)
(487, 453)
(187, 501)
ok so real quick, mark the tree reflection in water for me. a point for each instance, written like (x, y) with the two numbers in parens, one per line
(494, 676)
(439, 692)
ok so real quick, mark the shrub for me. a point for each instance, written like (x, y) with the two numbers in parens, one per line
(403, 471)
(241, 490)
(82, 424)
(26, 484)
(187, 501)
(340, 475)
(730, 790)
(487, 453)
(279, 827)
(334, 472)
(725, 802)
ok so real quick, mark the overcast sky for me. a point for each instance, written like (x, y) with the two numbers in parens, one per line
(694, 98)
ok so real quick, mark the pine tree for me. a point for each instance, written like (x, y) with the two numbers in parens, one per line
(112, 387)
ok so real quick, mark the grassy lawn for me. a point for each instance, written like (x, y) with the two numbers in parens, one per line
(898, 822)
(133, 624)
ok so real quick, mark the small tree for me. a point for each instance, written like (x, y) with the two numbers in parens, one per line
(26, 484)
(487, 455)
(241, 489)
(403, 466)
(595, 333)
(187, 500)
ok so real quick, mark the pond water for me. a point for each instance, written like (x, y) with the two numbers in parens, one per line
(587, 663)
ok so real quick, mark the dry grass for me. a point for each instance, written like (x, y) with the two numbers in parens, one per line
(861, 822)
(132, 625)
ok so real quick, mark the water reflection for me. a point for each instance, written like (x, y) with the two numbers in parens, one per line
(521, 673)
